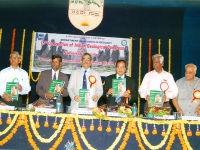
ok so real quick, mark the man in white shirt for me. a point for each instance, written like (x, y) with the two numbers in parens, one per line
(153, 80)
(14, 74)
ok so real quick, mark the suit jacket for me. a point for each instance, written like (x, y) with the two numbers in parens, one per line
(44, 82)
(130, 84)
(75, 83)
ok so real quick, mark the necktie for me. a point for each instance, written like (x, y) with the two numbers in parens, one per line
(84, 81)
(54, 77)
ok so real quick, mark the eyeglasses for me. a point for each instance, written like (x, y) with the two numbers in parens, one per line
(86, 59)
(15, 58)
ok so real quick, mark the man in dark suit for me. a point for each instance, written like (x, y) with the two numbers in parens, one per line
(47, 76)
(130, 92)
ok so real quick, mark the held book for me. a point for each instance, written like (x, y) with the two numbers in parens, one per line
(156, 98)
(86, 98)
(55, 87)
(12, 90)
(119, 87)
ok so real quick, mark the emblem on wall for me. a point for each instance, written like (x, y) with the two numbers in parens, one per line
(85, 15)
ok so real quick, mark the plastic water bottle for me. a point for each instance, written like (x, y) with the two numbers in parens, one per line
(134, 110)
(58, 105)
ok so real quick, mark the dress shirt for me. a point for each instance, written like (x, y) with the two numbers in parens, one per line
(152, 81)
(121, 76)
(87, 75)
(10, 74)
(53, 72)
(185, 95)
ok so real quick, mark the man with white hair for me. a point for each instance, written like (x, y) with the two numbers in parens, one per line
(186, 89)
(153, 80)
(14, 74)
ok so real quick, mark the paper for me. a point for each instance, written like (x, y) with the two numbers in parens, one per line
(55, 87)
(119, 87)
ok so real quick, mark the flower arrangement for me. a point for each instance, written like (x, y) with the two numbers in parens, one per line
(159, 111)
(99, 113)
(125, 109)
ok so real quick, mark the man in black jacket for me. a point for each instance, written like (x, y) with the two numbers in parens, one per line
(130, 92)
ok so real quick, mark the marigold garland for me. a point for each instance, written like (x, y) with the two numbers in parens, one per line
(22, 49)
(45, 140)
(185, 139)
(10, 125)
(162, 143)
(1, 30)
(13, 40)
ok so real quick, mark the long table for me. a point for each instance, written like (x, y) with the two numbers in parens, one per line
(21, 132)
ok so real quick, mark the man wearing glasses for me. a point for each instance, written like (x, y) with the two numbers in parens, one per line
(14, 74)
(83, 78)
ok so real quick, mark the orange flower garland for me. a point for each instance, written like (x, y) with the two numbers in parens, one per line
(13, 40)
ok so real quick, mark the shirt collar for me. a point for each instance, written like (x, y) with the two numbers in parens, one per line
(121, 76)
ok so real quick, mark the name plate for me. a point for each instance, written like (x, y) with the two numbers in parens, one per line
(46, 110)
(85, 112)
(166, 117)
(115, 114)
(190, 118)
(7, 107)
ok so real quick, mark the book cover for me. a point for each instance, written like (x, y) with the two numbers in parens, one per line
(85, 96)
(119, 87)
(156, 98)
(12, 90)
(55, 87)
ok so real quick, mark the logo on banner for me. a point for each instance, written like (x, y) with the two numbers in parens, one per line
(85, 15)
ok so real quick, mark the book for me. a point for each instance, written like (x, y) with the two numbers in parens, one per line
(86, 98)
(156, 98)
(119, 87)
(12, 90)
(55, 87)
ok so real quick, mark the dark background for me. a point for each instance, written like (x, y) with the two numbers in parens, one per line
(175, 20)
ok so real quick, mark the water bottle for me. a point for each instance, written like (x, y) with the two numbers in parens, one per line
(58, 105)
(134, 110)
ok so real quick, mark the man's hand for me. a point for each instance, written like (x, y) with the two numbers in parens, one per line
(126, 94)
(19, 87)
(95, 98)
(7, 98)
(77, 98)
(147, 97)
(180, 111)
(164, 98)
(62, 91)
(49, 96)
(110, 91)
(197, 110)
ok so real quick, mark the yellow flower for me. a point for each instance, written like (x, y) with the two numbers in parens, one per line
(132, 130)
(92, 127)
(1, 122)
(37, 124)
(8, 121)
(154, 132)
(46, 124)
(146, 131)
(100, 128)
(117, 129)
(55, 126)
(197, 133)
(163, 133)
(189, 133)
(108, 129)
(83, 129)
